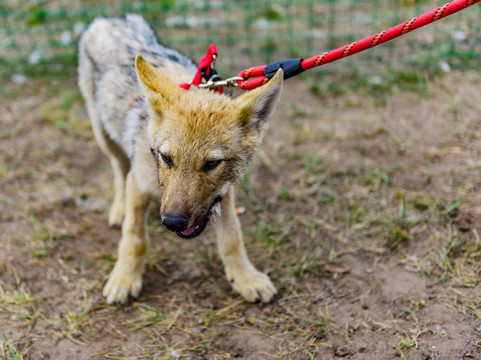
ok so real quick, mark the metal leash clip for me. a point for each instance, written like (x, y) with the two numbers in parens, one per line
(216, 82)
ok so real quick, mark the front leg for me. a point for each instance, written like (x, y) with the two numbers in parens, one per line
(126, 277)
(243, 276)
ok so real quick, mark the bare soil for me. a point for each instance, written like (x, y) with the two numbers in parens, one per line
(363, 206)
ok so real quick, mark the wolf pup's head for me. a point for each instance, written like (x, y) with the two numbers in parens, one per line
(202, 143)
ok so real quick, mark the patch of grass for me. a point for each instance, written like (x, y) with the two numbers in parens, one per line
(149, 316)
(408, 342)
(307, 264)
(446, 253)
(396, 237)
(379, 85)
(316, 89)
(285, 194)
(73, 322)
(452, 209)
(109, 258)
(152, 261)
(68, 99)
(327, 197)
(421, 204)
(313, 164)
(376, 177)
(21, 298)
(60, 112)
(351, 214)
(321, 324)
(298, 110)
(43, 238)
(9, 349)
(269, 235)
(28, 317)
(335, 89)
(411, 340)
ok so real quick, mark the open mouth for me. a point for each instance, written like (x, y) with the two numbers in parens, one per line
(199, 228)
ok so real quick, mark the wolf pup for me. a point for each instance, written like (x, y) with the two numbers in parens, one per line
(185, 149)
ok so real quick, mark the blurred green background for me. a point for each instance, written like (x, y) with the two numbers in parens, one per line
(41, 35)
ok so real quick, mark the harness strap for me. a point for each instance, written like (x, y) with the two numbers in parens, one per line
(205, 70)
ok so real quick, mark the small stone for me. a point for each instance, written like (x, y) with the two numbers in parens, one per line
(342, 351)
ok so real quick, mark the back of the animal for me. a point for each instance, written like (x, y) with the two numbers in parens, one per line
(107, 77)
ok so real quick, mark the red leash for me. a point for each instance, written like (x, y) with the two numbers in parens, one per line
(254, 77)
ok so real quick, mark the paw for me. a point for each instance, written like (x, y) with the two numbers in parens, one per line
(116, 215)
(253, 286)
(122, 283)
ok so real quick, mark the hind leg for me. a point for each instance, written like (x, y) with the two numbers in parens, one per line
(117, 210)
(118, 159)
(120, 166)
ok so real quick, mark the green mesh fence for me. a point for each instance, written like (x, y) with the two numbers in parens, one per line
(247, 33)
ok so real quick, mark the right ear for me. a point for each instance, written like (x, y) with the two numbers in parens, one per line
(158, 87)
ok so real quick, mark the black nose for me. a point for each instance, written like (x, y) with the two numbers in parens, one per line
(175, 222)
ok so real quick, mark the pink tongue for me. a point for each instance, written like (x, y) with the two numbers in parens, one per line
(189, 231)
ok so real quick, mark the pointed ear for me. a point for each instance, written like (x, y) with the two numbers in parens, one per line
(259, 104)
(158, 87)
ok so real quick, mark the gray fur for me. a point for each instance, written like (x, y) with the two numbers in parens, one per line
(107, 75)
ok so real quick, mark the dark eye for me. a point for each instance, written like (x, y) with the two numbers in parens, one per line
(167, 159)
(153, 151)
(211, 165)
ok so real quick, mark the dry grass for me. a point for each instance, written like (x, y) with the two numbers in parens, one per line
(363, 206)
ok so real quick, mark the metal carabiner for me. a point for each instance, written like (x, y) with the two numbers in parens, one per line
(212, 83)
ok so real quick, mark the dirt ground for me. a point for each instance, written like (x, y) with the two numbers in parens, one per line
(363, 206)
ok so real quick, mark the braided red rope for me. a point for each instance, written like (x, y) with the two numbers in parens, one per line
(258, 78)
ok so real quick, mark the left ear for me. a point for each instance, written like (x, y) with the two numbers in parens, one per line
(258, 105)
(158, 88)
